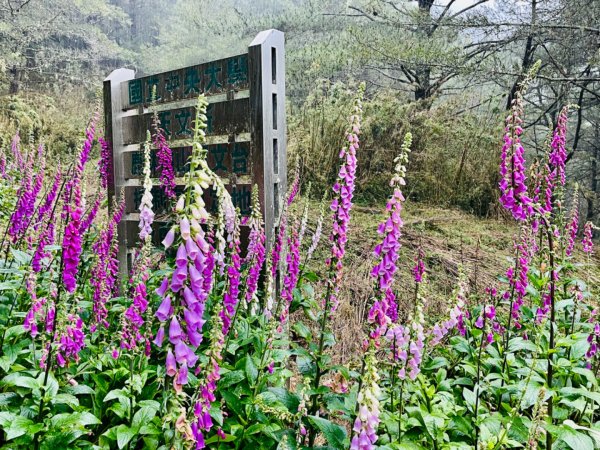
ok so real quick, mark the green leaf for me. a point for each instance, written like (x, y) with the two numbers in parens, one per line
(20, 257)
(574, 439)
(302, 330)
(143, 416)
(251, 370)
(66, 399)
(289, 400)
(124, 435)
(18, 427)
(334, 434)
(231, 378)
(518, 343)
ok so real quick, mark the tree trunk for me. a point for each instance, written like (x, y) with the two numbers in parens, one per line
(15, 75)
(527, 56)
(423, 72)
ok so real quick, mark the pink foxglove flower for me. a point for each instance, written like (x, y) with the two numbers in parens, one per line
(72, 239)
(573, 225)
(105, 164)
(364, 434)
(512, 166)
(341, 205)
(384, 310)
(588, 233)
(164, 159)
(255, 258)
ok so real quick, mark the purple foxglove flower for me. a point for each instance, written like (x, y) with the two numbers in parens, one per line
(164, 159)
(181, 258)
(182, 375)
(169, 238)
(163, 287)
(184, 227)
(160, 336)
(184, 354)
(588, 233)
(171, 364)
(175, 331)
(164, 311)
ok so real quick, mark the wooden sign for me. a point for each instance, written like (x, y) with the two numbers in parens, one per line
(246, 131)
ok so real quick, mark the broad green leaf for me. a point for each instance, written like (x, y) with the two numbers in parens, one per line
(143, 416)
(124, 435)
(334, 434)
(251, 370)
(231, 378)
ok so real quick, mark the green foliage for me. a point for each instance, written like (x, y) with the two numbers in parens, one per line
(449, 164)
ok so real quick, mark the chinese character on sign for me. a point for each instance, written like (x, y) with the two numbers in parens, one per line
(151, 83)
(165, 122)
(218, 152)
(135, 92)
(172, 83)
(241, 198)
(237, 69)
(239, 158)
(213, 81)
(191, 82)
(137, 162)
(184, 120)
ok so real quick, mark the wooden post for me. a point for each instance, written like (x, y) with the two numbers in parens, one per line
(266, 61)
(113, 118)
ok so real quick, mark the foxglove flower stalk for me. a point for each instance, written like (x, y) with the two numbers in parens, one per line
(48, 204)
(517, 276)
(558, 154)
(26, 197)
(231, 297)
(588, 233)
(164, 158)
(290, 278)
(341, 204)
(92, 213)
(573, 225)
(146, 213)
(70, 340)
(456, 313)
(72, 239)
(366, 423)
(255, 257)
(133, 319)
(385, 311)
(512, 166)
(105, 163)
(15, 147)
(104, 273)
(184, 292)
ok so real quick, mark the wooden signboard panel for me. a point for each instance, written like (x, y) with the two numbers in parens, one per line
(246, 131)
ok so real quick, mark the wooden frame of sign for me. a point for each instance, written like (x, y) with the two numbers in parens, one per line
(246, 134)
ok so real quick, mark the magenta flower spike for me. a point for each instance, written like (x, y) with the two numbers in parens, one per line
(341, 204)
(384, 310)
(164, 159)
(588, 233)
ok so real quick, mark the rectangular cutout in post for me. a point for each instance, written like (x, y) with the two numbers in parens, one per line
(274, 65)
(275, 157)
(276, 200)
(274, 106)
